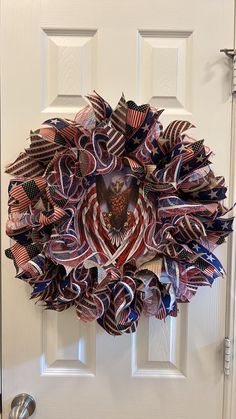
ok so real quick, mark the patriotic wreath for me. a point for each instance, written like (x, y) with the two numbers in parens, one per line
(115, 216)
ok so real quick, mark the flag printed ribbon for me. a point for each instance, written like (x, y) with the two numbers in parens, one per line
(114, 215)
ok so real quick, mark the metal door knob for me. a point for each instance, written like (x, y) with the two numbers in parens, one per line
(22, 406)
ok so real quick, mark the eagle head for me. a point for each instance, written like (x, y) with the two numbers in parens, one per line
(118, 184)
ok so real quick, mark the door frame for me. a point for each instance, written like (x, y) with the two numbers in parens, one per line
(229, 401)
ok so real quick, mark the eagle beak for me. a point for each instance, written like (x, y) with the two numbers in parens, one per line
(117, 187)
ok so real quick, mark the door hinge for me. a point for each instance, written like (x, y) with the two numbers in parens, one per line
(228, 356)
(231, 53)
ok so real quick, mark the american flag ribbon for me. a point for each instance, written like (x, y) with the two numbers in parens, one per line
(136, 114)
(22, 195)
(22, 254)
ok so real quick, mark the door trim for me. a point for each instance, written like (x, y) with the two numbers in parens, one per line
(229, 402)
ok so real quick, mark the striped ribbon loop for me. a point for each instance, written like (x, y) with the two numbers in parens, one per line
(57, 214)
(42, 149)
(119, 115)
(101, 108)
(25, 166)
(175, 128)
(116, 141)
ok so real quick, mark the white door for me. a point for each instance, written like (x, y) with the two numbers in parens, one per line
(167, 53)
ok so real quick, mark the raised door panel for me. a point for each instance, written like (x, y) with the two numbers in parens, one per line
(164, 70)
(68, 345)
(68, 68)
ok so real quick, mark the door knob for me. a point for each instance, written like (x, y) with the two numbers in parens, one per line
(22, 406)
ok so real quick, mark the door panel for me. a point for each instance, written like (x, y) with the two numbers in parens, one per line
(54, 53)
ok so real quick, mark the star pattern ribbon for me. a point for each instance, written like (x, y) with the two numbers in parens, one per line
(140, 244)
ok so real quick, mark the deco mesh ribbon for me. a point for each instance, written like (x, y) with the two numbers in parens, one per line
(114, 215)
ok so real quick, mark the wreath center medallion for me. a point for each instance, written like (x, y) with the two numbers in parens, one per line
(117, 195)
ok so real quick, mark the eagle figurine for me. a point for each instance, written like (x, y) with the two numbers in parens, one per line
(117, 196)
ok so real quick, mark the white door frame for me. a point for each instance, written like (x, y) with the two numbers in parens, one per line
(229, 404)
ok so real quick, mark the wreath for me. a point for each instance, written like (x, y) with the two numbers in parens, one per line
(114, 215)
